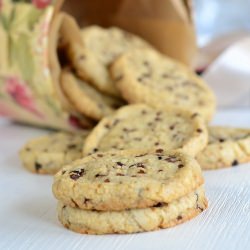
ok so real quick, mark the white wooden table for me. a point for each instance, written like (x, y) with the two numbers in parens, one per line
(28, 217)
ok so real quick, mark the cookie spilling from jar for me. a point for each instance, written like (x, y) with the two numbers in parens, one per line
(126, 192)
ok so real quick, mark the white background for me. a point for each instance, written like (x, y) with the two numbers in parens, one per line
(28, 217)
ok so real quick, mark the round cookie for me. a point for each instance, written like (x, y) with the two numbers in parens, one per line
(48, 154)
(101, 47)
(133, 220)
(86, 99)
(124, 180)
(146, 76)
(226, 147)
(140, 127)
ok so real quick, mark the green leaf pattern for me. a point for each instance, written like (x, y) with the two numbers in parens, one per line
(24, 26)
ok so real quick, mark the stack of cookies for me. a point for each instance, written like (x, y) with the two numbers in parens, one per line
(139, 168)
(126, 192)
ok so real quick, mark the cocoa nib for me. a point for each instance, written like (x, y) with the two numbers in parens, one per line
(179, 217)
(85, 201)
(159, 150)
(140, 165)
(38, 166)
(76, 174)
(160, 204)
(235, 163)
(141, 171)
(171, 127)
(71, 146)
(141, 155)
(119, 163)
(100, 175)
(180, 166)
(119, 174)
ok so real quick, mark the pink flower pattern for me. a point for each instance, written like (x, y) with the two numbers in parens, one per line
(74, 121)
(21, 95)
(41, 4)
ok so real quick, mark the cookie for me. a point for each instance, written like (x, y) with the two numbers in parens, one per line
(146, 76)
(125, 180)
(100, 48)
(133, 220)
(226, 147)
(86, 99)
(47, 154)
(63, 33)
(140, 127)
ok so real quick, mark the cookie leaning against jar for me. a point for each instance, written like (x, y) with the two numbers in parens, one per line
(100, 47)
(227, 147)
(86, 99)
(142, 128)
(48, 154)
(146, 76)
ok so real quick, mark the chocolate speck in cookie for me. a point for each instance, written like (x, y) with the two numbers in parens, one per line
(141, 171)
(38, 166)
(159, 150)
(179, 217)
(76, 174)
(119, 163)
(235, 163)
